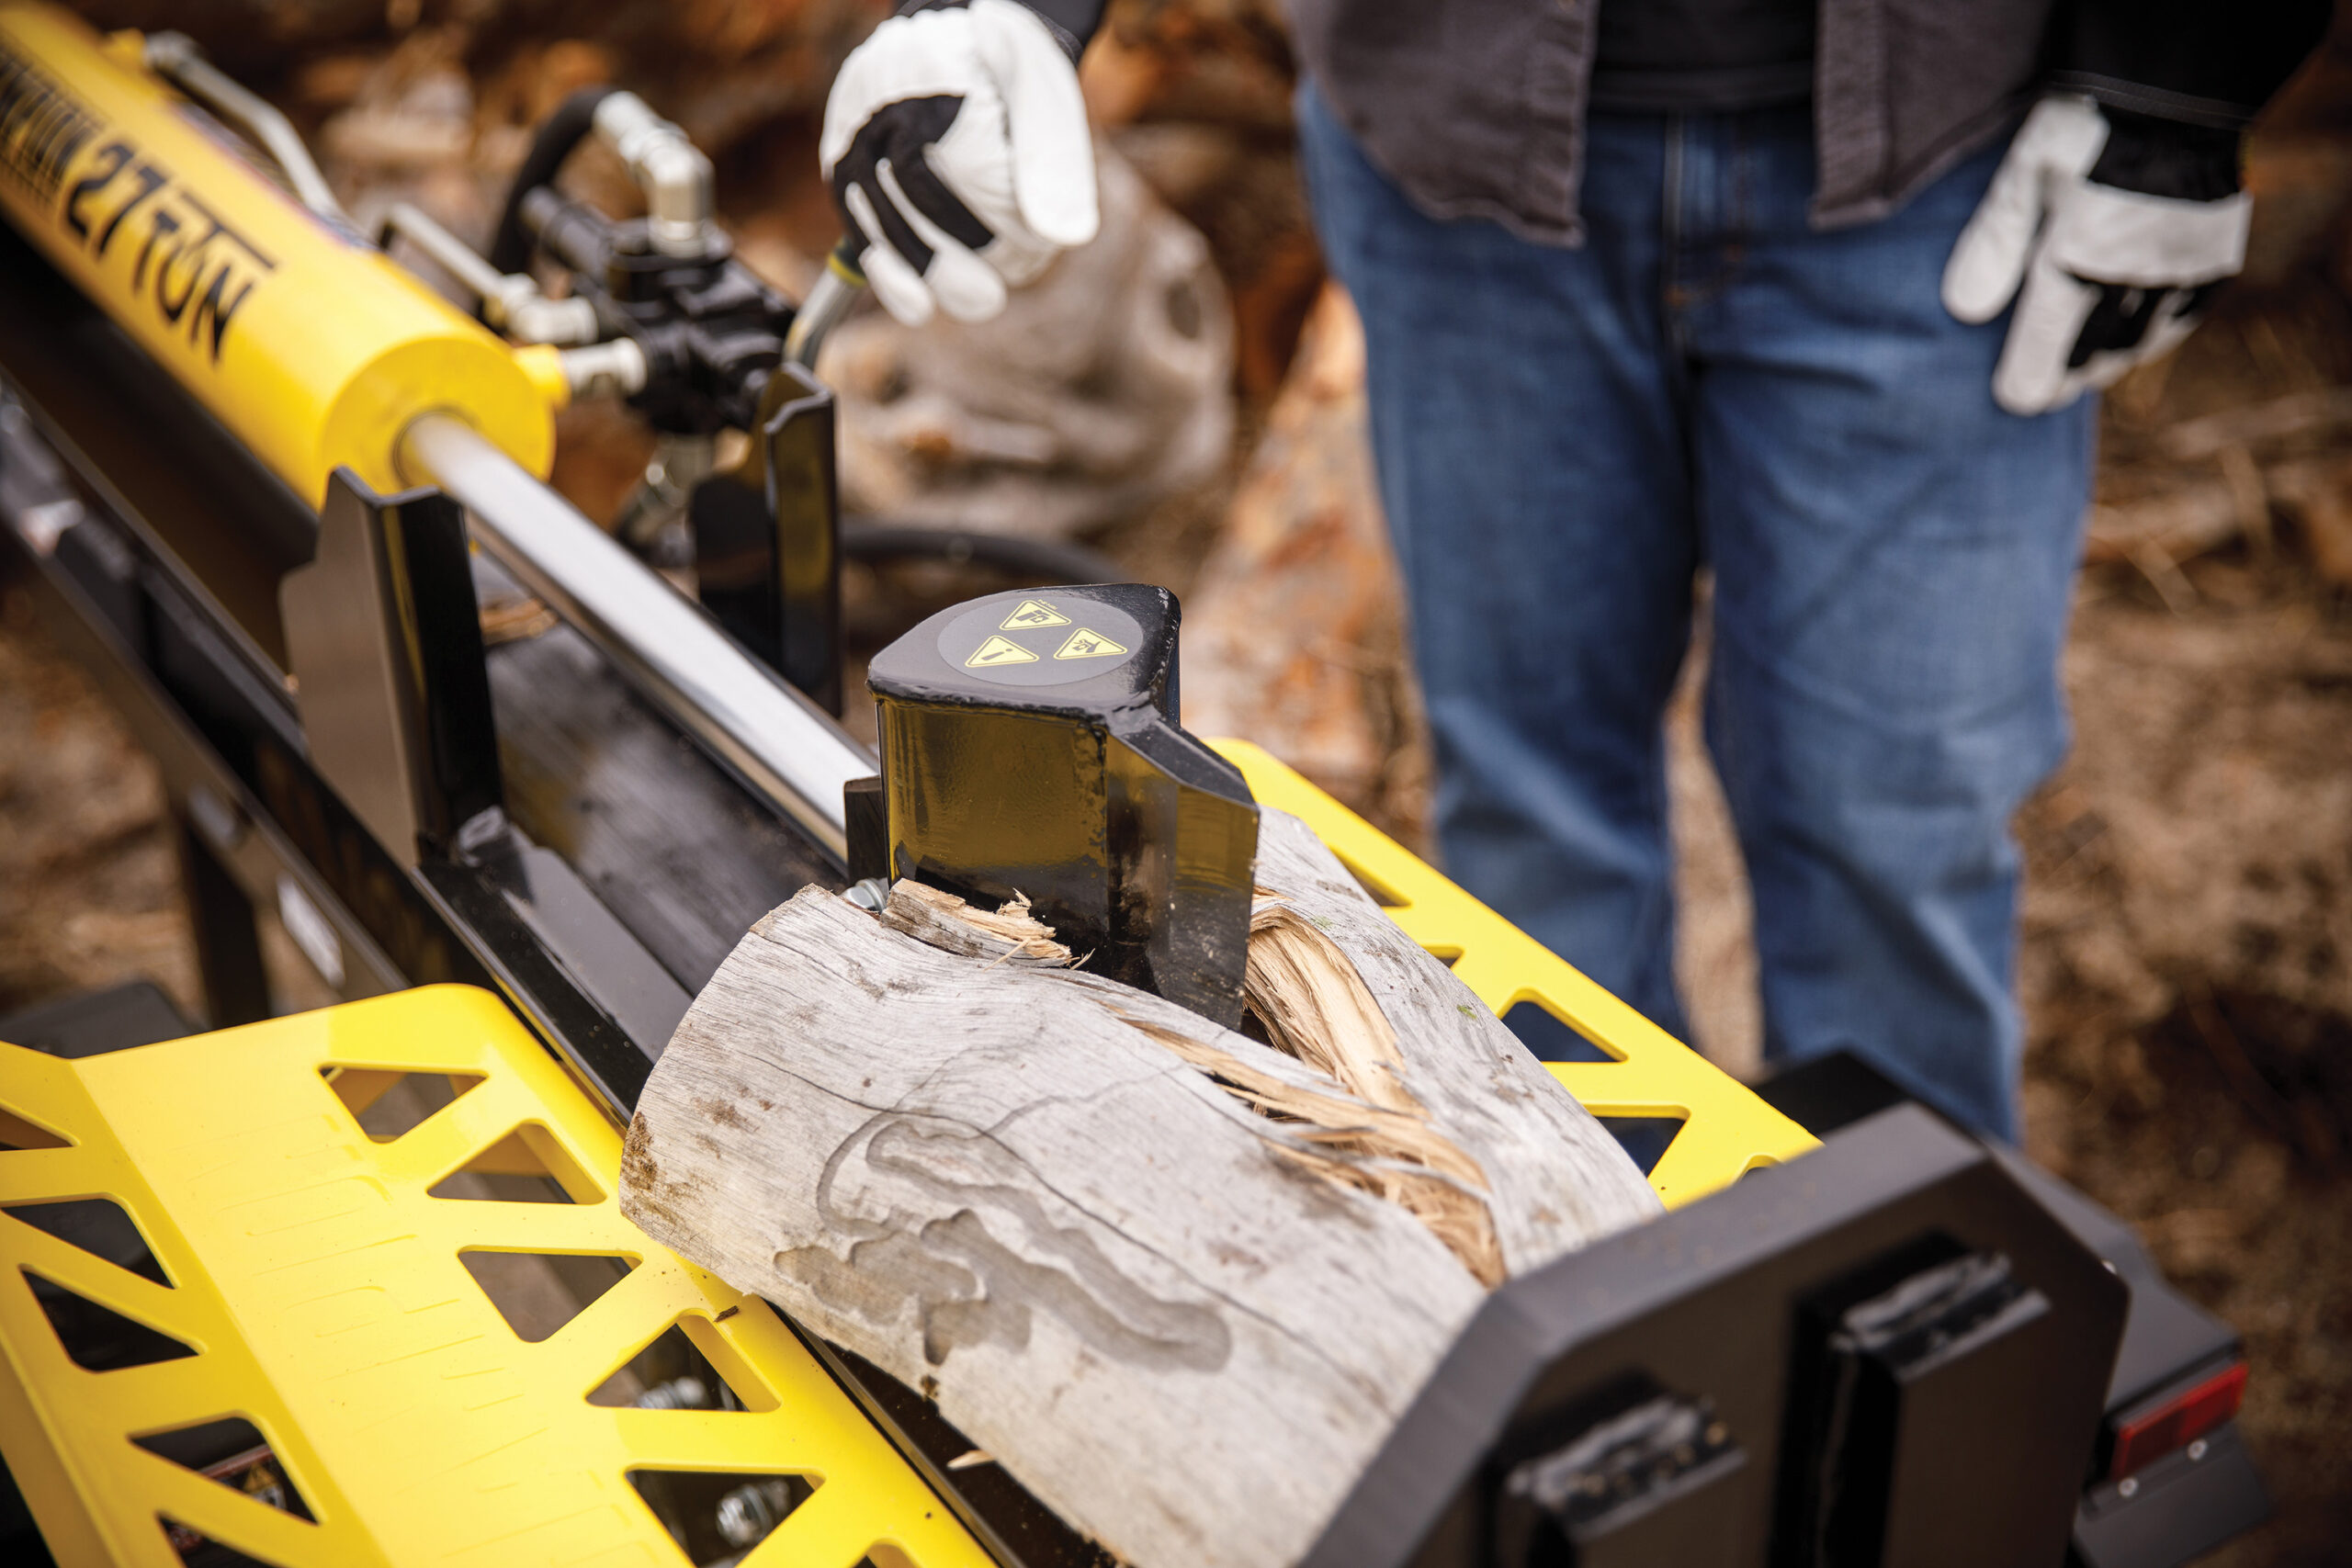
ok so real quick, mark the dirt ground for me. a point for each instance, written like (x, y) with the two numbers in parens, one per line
(2187, 911)
(2189, 1064)
(2185, 961)
(89, 872)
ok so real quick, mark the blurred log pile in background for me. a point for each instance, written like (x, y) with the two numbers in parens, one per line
(1189, 399)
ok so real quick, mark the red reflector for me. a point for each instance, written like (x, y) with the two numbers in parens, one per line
(2178, 1421)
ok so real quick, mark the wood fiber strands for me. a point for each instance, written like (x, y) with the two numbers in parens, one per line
(1179, 1283)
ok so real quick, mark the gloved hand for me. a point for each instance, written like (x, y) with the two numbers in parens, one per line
(957, 146)
(2110, 231)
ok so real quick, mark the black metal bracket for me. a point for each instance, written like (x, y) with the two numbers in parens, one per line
(385, 642)
(711, 336)
(768, 540)
(229, 966)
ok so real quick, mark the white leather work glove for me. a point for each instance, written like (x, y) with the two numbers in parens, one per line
(2110, 231)
(957, 146)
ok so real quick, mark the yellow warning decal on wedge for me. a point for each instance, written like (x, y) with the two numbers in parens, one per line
(1085, 643)
(1033, 613)
(1000, 650)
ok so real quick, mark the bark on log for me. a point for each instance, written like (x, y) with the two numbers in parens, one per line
(1060, 1207)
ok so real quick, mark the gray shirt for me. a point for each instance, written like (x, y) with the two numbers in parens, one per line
(1476, 108)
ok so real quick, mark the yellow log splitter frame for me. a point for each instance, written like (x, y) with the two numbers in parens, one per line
(311, 345)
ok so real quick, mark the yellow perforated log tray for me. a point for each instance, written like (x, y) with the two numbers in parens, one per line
(322, 1292)
(1726, 1131)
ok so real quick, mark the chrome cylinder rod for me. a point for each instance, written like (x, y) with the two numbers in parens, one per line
(777, 742)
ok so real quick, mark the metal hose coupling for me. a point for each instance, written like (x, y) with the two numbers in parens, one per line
(671, 170)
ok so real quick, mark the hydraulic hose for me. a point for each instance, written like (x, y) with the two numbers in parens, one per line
(559, 134)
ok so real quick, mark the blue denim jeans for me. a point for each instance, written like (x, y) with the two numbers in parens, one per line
(1564, 437)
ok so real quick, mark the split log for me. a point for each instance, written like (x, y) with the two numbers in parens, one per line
(1180, 1283)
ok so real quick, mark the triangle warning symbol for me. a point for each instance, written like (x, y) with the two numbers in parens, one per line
(1000, 650)
(1033, 613)
(1085, 643)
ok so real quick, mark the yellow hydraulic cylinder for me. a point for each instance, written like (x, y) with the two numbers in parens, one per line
(311, 345)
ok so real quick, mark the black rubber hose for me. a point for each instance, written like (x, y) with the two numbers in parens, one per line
(1045, 559)
(550, 145)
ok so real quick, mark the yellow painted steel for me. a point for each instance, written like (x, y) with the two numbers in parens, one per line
(1727, 1131)
(308, 344)
(322, 1291)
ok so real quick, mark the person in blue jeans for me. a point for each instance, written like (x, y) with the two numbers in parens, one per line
(1779, 289)
(1565, 436)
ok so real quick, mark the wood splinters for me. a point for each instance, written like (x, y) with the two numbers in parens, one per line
(1315, 1007)
(1009, 934)
(1369, 1133)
